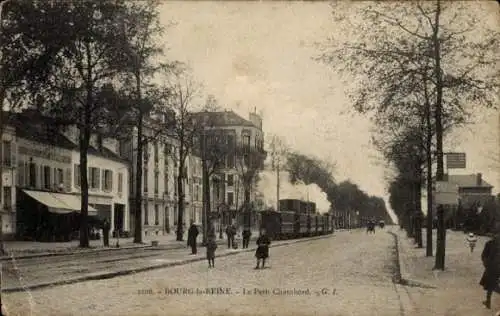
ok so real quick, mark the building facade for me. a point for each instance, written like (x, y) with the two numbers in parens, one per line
(48, 195)
(227, 185)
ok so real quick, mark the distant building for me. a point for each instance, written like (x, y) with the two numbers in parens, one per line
(472, 189)
(227, 192)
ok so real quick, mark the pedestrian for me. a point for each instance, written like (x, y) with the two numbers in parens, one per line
(262, 252)
(471, 239)
(211, 247)
(247, 233)
(192, 235)
(230, 231)
(105, 232)
(491, 262)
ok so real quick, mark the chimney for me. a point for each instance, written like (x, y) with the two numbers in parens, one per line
(479, 179)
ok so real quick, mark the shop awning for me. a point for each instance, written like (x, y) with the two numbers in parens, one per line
(59, 203)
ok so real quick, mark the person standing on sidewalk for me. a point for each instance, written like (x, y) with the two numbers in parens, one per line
(246, 237)
(211, 247)
(471, 239)
(105, 232)
(491, 261)
(230, 232)
(192, 235)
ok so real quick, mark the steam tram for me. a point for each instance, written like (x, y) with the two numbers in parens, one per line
(296, 219)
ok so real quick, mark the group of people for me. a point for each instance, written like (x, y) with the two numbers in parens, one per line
(263, 242)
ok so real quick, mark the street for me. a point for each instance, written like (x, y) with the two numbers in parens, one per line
(349, 273)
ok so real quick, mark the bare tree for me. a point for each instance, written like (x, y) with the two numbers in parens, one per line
(278, 150)
(183, 93)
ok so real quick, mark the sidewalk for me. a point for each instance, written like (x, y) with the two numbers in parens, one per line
(454, 291)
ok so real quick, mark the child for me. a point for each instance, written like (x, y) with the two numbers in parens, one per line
(471, 239)
(211, 246)
(262, 252)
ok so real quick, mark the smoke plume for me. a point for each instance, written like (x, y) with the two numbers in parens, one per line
(267, 188)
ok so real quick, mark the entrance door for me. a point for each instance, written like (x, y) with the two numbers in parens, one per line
(119, 217)
(167, 220)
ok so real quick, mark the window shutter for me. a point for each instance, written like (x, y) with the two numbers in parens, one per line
(39, 177)
(67, 180)
(13, 154)
(104, 187)
(110, 180)
(97, 175)
(20, 174)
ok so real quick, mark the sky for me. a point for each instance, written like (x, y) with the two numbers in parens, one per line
(260, 55)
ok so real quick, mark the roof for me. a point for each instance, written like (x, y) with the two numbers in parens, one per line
(468, 181)
(225, 118)
(46, 130)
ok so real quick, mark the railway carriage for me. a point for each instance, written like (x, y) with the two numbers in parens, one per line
(296, 219)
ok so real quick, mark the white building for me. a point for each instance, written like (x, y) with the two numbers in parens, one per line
(108, 175)
(48, 180)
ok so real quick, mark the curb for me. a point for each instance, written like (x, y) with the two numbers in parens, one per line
(401, 276)
(109, 275)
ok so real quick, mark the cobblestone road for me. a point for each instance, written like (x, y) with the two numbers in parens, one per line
(354, 271)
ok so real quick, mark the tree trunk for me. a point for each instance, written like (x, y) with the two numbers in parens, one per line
(84, 146)
(441, 234)
(138, 181)
(180, 198)
(2, 125)
(418, 217)
(430, 216)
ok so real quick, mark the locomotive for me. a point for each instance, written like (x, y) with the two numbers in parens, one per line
(296, 219)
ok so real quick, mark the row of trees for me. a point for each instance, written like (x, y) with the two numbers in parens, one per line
(423, 69)
(343, 196)
(97, 65)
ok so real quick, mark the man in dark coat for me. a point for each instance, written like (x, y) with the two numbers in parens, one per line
(230, 232)
(105, 232)
(491, 261)
(192, 235)
(246, 237)
(262, 252)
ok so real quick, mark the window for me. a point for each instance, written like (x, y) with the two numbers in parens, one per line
(59, 177)
(196, 192)
(20, 174)
(94, 177)
(7, 153)
(230, 180)
(145, 180)
(146, 215)
(46, 177)
(230, 140)
(157, 177)
(7, 198)
(165, 185)
(230, 161)
(157, 215)
(77, 175)
(230, 198)
(120, 182)
(156, 155)
(246, 140)
(145, 153)
(32, 174)
(108, 181)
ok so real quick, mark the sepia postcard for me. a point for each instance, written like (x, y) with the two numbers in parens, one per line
(237, 158)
